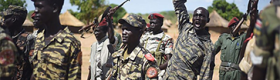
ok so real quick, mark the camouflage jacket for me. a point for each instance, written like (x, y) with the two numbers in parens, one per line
(8, 54)
(60, 59)
(24, 43)
(267, 50)
(134, 67)
(191, 56)
(160, 42)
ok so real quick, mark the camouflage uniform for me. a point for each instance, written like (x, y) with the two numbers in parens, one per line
(160, 43)
(267, 31)
(230, 49)
(191, 56)
(138, 64)
(133, 67)
(8, 54)
(119, 38)
(60, 59)
(22, 41)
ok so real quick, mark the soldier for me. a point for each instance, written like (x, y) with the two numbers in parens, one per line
(230, 45)
(57, 53)
(100, 57)
(8, 56)
(158, 43)
(14, 18)
(132, 61)
(192, 53)
(265, 54)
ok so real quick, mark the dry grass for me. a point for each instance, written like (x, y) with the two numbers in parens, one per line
(173, 32)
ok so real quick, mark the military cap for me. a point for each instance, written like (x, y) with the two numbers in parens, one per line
(233, 21)
(155, 16)
(15, 10)
(104, 21)
(134, 20)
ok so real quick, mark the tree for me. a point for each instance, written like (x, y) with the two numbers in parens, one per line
(118, 14)
(4, 4)
(89, 9)
(225, 9)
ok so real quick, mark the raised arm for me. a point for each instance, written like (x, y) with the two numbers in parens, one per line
(110, 30)
(181, 13)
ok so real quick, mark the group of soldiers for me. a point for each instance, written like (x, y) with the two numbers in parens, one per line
(52, 52)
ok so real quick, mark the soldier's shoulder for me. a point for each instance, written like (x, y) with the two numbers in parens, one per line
(224, 35)
(118, 53)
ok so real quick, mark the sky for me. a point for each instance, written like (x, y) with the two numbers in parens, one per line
(151, 6)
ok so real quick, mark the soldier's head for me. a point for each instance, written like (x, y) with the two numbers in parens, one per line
(101, 30)
(232, 25)
(132, 28)
(156, 21)
(47, 10)
(40, 26)
(14, 16)
(200, 18)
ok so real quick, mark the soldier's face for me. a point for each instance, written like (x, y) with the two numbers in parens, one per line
(9, 20)
(43, 12)
(200, 18)
(129, 33)
(155, 25)
(232, 27)
(99, 33)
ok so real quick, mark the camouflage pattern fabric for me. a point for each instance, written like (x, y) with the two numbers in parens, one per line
(24, 45)
(151, 42)
(131, 68)
(230, 49)
(119, 37)
(266, 52)
(134, 20)
(60, 59)
(15, 11)
(191, 56)
(8, 54)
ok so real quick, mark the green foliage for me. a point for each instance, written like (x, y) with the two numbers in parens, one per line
(29, 15)
(225, 9)
(74, 13)
(119, 13)
(4, 4)
(168, 15)
(89, 9)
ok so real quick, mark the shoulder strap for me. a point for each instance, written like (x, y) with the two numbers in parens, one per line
(160, 42)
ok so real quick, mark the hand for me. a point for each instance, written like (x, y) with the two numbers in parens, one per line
(245, 16)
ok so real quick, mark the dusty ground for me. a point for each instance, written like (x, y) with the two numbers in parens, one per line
(173, 32)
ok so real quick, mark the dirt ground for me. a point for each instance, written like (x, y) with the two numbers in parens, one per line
(172, 31)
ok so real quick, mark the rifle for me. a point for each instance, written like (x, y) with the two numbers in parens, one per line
(108, 12)
(253, 13)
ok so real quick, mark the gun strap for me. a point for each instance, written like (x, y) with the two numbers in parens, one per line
(160, 42)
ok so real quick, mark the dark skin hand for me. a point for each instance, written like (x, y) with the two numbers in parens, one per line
(110, 30)
(164, 65)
